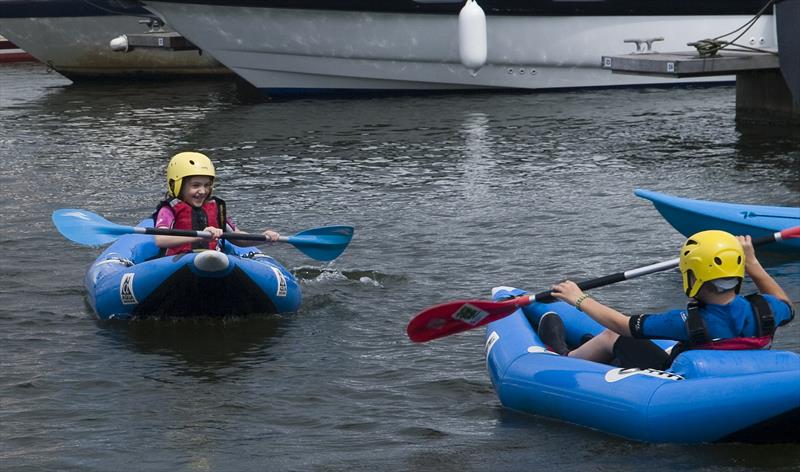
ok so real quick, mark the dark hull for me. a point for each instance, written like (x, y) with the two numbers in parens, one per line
(67, 8)
(514, 7)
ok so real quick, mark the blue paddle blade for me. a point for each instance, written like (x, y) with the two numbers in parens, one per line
(323, 244)
(85, 227)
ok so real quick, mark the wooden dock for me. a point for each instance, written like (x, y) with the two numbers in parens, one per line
(762, 95)
(689, 64)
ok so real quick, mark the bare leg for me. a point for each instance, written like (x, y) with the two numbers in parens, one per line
(598, 349)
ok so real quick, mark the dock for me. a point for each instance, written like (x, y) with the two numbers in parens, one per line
(767, 80)
(762, 94)
(690, 64)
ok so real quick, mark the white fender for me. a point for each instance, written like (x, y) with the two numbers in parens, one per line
(472, 36)
(120, 44)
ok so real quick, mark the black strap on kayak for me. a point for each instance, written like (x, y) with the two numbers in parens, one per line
(695, 325)
(222, 216)
(765, 320)
(698, 332)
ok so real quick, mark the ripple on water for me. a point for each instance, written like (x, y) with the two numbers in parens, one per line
(450, 196)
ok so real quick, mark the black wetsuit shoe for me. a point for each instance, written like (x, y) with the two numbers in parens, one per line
(552, 333)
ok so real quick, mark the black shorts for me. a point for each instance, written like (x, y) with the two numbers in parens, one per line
(640, 353)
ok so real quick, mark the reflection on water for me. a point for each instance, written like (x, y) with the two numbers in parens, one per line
(450, 195)
(762, 157)
(205, 348)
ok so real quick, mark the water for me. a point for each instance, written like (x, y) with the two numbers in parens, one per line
(450, 195)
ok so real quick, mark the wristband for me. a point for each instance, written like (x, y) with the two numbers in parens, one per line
(580, 300)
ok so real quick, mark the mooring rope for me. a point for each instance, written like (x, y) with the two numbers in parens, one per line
(711, 46)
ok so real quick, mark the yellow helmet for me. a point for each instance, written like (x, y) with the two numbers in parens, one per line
(185, 164)
(711, 255)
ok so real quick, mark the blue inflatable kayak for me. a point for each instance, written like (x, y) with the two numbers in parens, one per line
(129, 279)
(705, 396)
(691, 216)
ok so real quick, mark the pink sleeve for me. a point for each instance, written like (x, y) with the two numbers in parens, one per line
(165, 218)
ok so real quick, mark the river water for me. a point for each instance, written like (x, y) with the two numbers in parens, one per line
(450, 195)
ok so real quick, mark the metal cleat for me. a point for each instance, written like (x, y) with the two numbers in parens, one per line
(153, 24)
(644, 46)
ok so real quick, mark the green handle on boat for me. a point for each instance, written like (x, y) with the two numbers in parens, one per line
(454, 317)
(325, 243)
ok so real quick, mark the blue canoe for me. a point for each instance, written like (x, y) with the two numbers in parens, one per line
(129, 279)
(691, 216)
(705, 396)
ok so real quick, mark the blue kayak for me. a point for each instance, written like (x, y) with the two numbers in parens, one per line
(705, 396)
(130, 279)
(691, 216)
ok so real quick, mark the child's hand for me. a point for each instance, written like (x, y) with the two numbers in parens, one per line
(271, 235)
(215, 232)
(750, 261)
(567, 291)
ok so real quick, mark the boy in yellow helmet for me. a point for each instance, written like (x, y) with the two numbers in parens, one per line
(713, 264)
(190, 205)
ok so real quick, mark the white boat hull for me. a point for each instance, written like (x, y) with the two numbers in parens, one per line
(291, 50)
(78, 47)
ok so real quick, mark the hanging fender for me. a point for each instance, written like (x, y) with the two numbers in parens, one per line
(472, 36)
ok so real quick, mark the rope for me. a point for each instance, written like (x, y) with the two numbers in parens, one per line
(711, 46)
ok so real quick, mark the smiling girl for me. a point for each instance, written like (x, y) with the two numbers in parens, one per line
(190, 205)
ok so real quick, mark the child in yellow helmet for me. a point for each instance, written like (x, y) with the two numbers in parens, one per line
(713, 264)
(190, 205)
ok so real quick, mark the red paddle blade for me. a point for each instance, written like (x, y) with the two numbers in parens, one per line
(790, 233)
(454, 317)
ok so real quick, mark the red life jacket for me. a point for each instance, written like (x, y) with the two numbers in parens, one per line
(212, 213)
(733, 344)
(698, 333)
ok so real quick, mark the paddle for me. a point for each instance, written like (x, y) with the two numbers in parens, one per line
(84, 227)
(462, 315)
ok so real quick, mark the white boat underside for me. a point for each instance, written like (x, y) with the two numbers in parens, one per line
(290, 49)
(79, 47)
